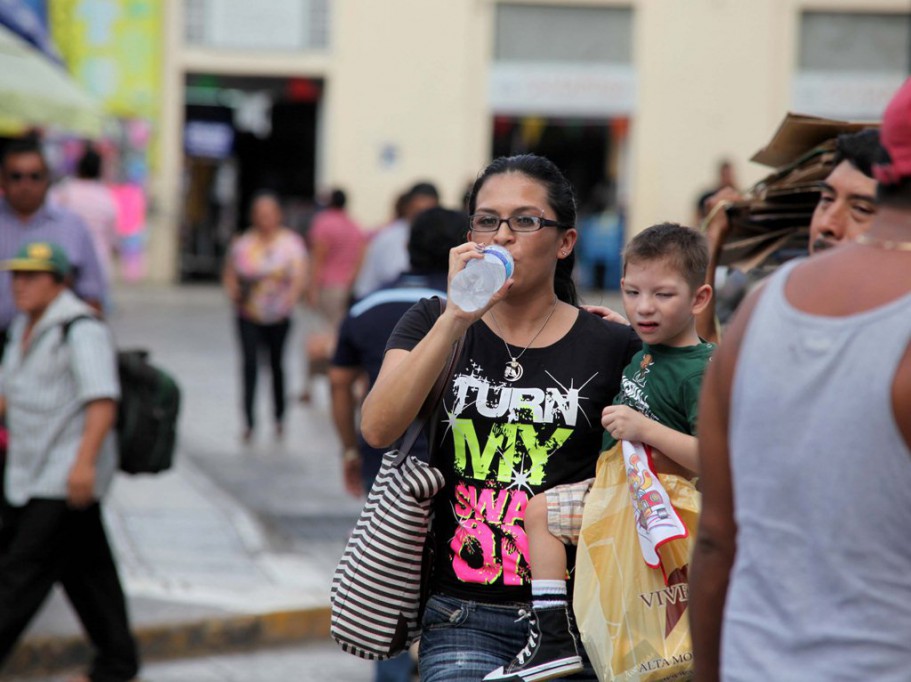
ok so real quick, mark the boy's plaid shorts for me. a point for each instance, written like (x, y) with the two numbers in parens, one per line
(564, 510)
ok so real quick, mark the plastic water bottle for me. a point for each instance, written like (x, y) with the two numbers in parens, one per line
(481, 278)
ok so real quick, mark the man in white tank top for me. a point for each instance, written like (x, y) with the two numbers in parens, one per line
(802, 567)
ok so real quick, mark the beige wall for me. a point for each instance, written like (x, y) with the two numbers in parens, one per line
(714, 79)
(713, 83)
(412, 76)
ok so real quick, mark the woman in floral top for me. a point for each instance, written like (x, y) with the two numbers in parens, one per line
(264, 276)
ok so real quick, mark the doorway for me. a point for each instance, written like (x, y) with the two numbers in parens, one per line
(591, 153)
(243, 135)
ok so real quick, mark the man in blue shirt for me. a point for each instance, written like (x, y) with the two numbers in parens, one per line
(27, 216)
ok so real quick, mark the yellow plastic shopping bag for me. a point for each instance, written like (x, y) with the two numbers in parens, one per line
(632, 617)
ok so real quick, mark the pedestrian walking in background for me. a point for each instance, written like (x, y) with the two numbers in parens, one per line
(386, 256)
(800, 570)
(336, 247)
(264, 276)
(726, 180)
(361, 346)
(59, 394)
(523, 412)
(27, 216)
(89, 198)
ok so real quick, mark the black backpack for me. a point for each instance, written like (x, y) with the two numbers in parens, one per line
(147, 413)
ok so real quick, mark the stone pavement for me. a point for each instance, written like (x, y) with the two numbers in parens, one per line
(207, 567)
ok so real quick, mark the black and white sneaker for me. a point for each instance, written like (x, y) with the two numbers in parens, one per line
(551, 650)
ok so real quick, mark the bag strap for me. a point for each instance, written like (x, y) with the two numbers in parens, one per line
(433, 398)
(65, 326)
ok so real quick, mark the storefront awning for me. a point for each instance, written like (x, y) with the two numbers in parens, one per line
(36, 92)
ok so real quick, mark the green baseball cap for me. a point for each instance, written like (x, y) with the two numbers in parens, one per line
(39, 257)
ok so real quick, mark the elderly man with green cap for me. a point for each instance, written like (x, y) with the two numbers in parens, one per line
(59, 392)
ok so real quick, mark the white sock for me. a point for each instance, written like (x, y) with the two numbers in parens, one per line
(548, 593)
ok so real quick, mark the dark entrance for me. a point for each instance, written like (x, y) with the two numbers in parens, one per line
(589, 154)
(242, 135)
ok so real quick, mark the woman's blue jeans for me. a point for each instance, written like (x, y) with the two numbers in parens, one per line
(462, 641)
(396, 669)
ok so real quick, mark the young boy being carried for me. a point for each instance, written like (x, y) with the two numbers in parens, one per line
(663, 292)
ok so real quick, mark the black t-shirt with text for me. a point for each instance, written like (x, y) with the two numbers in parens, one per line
(499, 443)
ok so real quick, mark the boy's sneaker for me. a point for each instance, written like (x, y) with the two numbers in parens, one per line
(551, 650)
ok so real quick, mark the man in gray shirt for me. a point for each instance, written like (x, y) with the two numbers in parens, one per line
(800, 568)
(59, 392)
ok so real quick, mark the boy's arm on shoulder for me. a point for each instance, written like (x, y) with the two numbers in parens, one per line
(623, 337)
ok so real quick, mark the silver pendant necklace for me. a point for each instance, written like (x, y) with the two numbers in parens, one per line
(514, 370)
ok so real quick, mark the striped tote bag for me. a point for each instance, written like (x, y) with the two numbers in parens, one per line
(376, 588)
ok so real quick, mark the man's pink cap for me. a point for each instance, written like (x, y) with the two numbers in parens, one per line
(895, 136)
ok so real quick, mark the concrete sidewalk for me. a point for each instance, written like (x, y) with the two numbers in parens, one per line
(202, 572)
(199, 576)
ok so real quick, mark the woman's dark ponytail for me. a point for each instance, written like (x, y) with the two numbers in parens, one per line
(564, 284)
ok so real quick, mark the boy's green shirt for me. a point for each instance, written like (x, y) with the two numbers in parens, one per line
(663, 383)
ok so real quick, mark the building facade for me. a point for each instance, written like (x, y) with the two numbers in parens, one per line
(637, 100)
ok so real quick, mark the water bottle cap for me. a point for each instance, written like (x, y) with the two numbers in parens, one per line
(503, 255)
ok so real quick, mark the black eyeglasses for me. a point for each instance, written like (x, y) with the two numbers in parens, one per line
(487, 222)
(34, 176)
